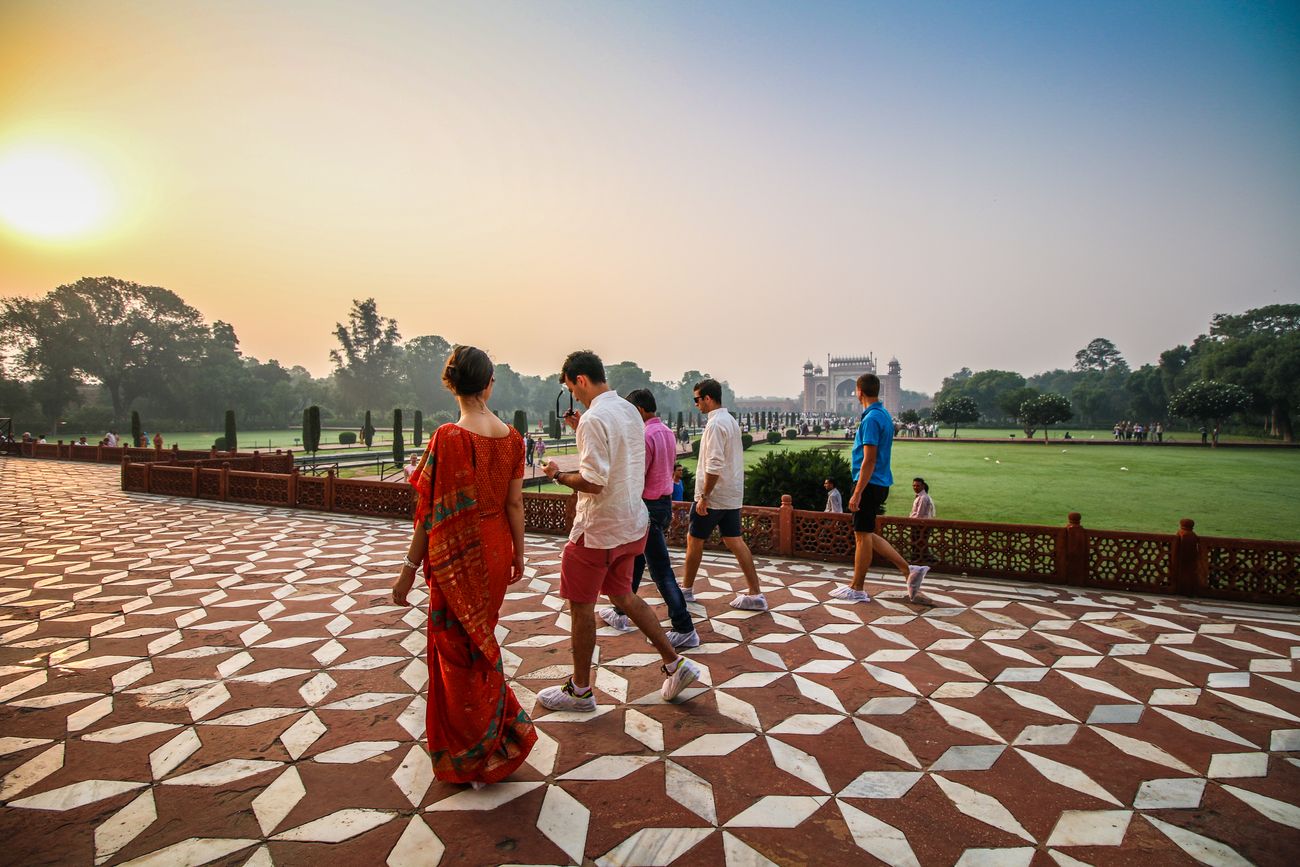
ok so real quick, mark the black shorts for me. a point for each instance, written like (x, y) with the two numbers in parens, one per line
(871, 505)
(726, 520)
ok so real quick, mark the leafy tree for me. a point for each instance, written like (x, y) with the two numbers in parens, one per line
(367, 431)
(521, 422)
(626, 376)
(1146, 392)
(1011, 401)
(365, 362)
(799, 474)
(232, 435)
(1260, 351)
(985, 387)
(909, 416)
(1210, 402)
(955, 411)
(129, 337)
(423, 359)
(399, 447)
(417, 429)
(1099, 355)
(1043, 410)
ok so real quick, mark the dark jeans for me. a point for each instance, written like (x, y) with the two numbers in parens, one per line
(661, 568)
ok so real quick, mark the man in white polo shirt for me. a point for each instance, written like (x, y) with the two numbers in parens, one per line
(609, 531)
(719, 494)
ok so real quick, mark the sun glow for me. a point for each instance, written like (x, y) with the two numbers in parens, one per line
(51, 194)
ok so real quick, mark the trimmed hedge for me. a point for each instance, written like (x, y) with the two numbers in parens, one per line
(347, 438)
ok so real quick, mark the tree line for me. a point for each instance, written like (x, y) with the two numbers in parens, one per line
(89, 353)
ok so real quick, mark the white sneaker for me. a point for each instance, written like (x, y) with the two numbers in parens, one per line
(680, 677)
(914, 578)
(688, 594)
(848, 594)
(616, 620)
(682, 640)
(757, 602)
(567, 698)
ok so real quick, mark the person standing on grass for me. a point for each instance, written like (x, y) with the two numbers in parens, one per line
(872, 477)
(660, 448)
(719, 494)
(609, 531)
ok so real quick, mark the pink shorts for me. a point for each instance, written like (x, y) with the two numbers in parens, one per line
(587, 573)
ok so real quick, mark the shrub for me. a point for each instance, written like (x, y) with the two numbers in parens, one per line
(347, 438)
(817, 429)
(695, 448)
(799, 474)
(745, 442)
(791, 433)
(688, 483)
(773, 437)
(220, 444)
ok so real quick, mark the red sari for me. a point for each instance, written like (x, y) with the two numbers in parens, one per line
(476, 728)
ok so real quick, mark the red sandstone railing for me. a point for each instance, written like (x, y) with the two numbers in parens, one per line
(1182, 563)
(277, 462)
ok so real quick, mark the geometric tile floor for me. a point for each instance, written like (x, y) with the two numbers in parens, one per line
(187, 682)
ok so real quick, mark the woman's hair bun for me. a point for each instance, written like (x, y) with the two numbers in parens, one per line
(468, 371)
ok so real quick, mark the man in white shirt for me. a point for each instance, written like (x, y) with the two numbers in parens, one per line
(834, 503)
(609, 531)
(719, 494)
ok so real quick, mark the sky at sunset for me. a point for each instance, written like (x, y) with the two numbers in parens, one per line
(729, 187)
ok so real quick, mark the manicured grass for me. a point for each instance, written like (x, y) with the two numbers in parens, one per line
(1228, 492)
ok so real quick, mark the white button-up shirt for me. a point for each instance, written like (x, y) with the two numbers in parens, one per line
(720, 449)
(611, 453)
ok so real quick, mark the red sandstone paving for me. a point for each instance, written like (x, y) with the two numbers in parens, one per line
(131, 624)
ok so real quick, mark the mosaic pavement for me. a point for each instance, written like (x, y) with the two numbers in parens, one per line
(186, 683)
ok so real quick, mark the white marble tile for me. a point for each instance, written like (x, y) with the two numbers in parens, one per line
(125, 825)
(321, 685)
(1069, 777)
(128, 732)
(645, 729)
(1238, 765)
(881, 784)
(563, 820)
(691, 791)
(1228, 679)
(654, 846)
(1279, 811)
(1204, 727)
(891, 678)
(278, 800)
(777, 811)
(487, 798)
(15, 745)
(887, 705)
(415, 774)
(417, 847)
(966, 721)
(366, 701)
(251, 717)
(1284, 740)
(1022, 675)
(752, 680)
(207, 701)
(968, 758)
(195, 850)
(878, 838)
(1202, 849)
(350, 754)
(824, 666)
(1179, 793)
(222, 773)
(1090, 828)
(1175, 697)
(1255, 705)
(1143, 750)
(1115, 714)
(90, 714)
(807, 724)
(412, 718)
(741, 711)
(713, 745)
(31, 772)
(1153, 672)
(55, 699)
(737, 853)
(981, 807)
(1098, 686)
(798, 764)
(76, 795)
(337, 827)
(609, 767)
(1017, 857)
(1053, 735)
(959, 689)
(886, 742)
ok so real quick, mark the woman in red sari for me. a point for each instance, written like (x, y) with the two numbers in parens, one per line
(469, 541)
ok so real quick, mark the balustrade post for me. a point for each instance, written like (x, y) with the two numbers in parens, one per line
(257, 461)
(212, 453)
(293, 487)
(126, 462)
(329, 490)
(194, 481)
(147, 478)
(1073, 559)
(223, 487)
(785, 526)
(1185, 559)
(99, 454)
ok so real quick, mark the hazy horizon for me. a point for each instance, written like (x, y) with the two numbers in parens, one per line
(727, 187)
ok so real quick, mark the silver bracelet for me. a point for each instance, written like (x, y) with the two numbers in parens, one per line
(406, 561)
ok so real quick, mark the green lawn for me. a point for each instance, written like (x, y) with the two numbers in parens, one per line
(1228, 492)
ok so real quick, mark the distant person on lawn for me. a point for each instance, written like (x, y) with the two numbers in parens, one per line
(872, 475)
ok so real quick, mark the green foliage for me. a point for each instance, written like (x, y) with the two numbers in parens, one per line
(680, 423)
(399, 445)
(306, 429)
(1009, 402)
(688, 482)
(219, 444)
(312, 443)
(365, 364)
(955, 411)
(232, 435)
(367, 431)
(909, 416)
(773, 437)
(137, 432)
(985, 388)
(746, 441)
(1260, 351)
(695, 448)
(553, 425)
(791, 433)
(799, 474)
(1043, 410)
(1211, 402)
(521, 422)
(1099, 355)
(417, 429)
(347, 438)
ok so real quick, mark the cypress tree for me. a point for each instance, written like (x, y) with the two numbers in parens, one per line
(137, 433)
(417, 430)
(521, 422)
(399, 447)
(306, 429)
(313, 416)
(232, 435)
(552, 425)
(367, 431)
(679, 419)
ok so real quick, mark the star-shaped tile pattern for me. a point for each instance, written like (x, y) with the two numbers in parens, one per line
(195, 682)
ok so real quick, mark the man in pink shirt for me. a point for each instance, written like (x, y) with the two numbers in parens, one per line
(660, 456)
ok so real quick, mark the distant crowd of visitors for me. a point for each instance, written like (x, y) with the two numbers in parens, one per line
(468, 545)
(1130, 431)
